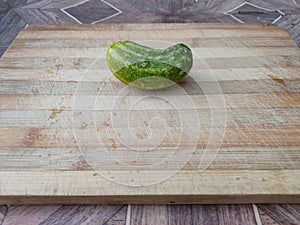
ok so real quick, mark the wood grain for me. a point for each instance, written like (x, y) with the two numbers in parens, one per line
(50, 121)
(100, 214)
(192, 214)
(149, 214)
(292, 23)
(57, 214)
(10, 24)
(133, 11)
(281, 214)
(3, 212)
(153, 34)
(236, 214)
(266, 219)
(238, 186)
(28, 214)
(250, 136)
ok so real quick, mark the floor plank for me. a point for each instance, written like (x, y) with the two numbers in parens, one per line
(205, 214)
(180, 214)
(281, 214)
(4, 8)
(44, 16)
(291, 22)
(192, 214)
(95, 214)
(274, 5)
(3, 211)
(149, 214)
(266, 219)
(236, 214)
(28, 214)
(57, 214)
(10, 25)
(118, 218)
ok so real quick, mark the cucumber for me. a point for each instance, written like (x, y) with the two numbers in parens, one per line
(148, 68)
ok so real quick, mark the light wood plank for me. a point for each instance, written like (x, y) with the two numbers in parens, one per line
(54, 119)
(102, 74)
(217, 63)
(200, 52)
(232, 101)
(59, 117)
(113, 87)
(193, 42)
(236, 186)
(71, 159)
(150, 34)
(235, 136)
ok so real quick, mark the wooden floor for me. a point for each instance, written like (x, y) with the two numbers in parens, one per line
(152, 214)
(16, 14)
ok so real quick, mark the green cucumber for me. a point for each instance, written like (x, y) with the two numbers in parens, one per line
(148, 68)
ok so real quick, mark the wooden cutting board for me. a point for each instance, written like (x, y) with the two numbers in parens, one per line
(72, 133)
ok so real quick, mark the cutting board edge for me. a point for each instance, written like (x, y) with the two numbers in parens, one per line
(153, 199)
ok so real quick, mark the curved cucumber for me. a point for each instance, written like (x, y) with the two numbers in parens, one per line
(148, 68)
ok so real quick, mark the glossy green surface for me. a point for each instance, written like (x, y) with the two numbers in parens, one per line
(148, 68)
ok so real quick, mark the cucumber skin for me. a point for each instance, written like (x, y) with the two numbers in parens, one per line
(130, 62)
